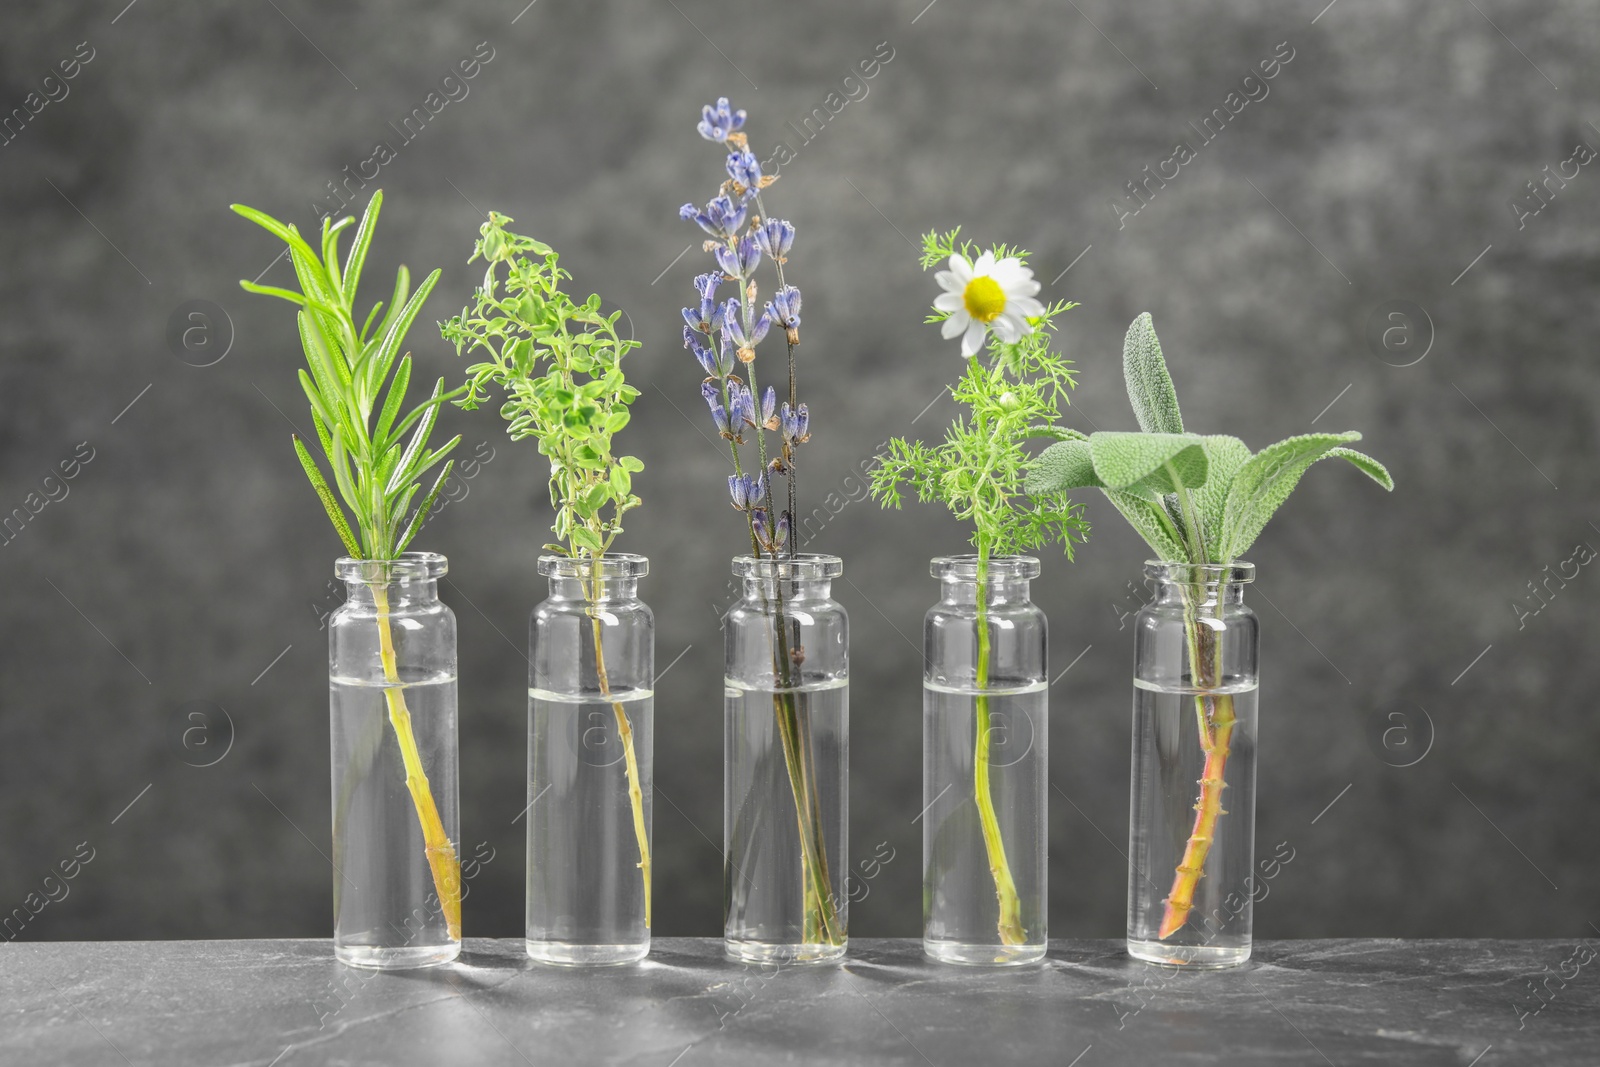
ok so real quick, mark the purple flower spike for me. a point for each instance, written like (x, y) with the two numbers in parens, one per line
(776, 237)
(785, 307)
(719, 120)
(744, 168)
(707, 358)
(721, 218)
(769, 409)
(706, 286)
(738, 488)
(742, 407)
(758, 519)
(739, 260)
(692, 319)
(714, 400)
(796, 425)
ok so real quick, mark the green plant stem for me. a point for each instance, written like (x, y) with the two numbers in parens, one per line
(1010, 926)
(441, 853)
(821, 921)
(625, 731)
(1215, 717)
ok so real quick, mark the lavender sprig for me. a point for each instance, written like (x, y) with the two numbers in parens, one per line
(723, 336)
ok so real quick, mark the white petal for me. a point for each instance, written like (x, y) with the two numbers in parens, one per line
(1008, 266)
(948, 302)
(1005, 324)
(985, 264)
(1024, 305)
(961, 268)
(948, 281)
(954, 325)
(1023, 326)
(973, 338)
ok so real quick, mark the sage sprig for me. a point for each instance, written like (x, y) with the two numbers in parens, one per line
(1194, 499)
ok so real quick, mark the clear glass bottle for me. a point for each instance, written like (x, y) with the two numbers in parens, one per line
(1192, 823)
(591, 667)
(786, 757)
(985, 756)
(396, 823)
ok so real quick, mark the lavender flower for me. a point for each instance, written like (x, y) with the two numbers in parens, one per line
(720, 121)
(713, 399)
(796, 425)
(747, 491)
(785, 308)
(706, 284)
(742, 409)
(758, 523)
(739, 260)
(745, 169)
(706, 356)
(733, 328)
(775, 236)
(769, 408)
(721, 218)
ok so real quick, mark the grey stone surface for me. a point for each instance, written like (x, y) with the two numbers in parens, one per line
(287, 1004)
(190, 553)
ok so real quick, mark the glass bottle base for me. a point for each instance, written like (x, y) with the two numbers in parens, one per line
(566, 954)
(1194, 957)
(772, 952)
(979, 955)
(405, 958)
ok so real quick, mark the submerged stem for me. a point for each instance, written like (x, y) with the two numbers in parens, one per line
(1005, 886)
(1215, 714)
(625, 731)
(441, 853)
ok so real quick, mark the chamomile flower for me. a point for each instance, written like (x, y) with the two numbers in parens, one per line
(989, 294)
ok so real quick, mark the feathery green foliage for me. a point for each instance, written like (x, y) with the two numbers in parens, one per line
(1200, 499)
(377, 468)
(978, 470)
(559, 365)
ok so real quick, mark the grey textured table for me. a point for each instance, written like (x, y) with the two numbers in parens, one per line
(286, 1003)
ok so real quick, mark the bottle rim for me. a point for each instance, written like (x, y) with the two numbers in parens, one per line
(612, 565)
(804, 567)
(964, 568)
(406, 567)
(1239, 572)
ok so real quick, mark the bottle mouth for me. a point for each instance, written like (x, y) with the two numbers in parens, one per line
(1236, 573)
(1001, 568)
(406, 567)
(805, 567)
(609, 567)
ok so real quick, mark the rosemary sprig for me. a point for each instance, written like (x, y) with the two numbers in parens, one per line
(376, 467)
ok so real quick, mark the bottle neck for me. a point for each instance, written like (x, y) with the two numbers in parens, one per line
(998, 592)
(407, 594)
(593, 590)
(1201, 595)
(788, 590)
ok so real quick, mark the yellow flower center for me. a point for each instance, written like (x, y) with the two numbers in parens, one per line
(984, 298)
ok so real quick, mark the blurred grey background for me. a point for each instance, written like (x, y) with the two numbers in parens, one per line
(1428, 748)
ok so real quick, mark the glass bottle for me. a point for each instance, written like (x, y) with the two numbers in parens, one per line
(396, 823)
(1192, 822)
(591, 666)
(985, 756)
(786, 755)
